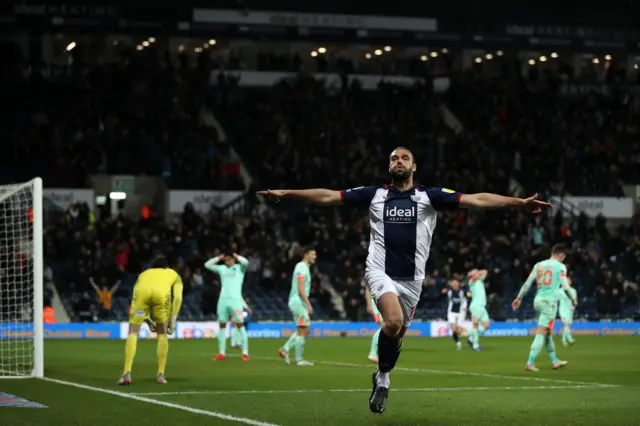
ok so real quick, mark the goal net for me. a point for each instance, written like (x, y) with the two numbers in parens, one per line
(21, 271)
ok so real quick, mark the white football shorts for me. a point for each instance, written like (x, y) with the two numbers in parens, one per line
(408, 292)
(455, 318)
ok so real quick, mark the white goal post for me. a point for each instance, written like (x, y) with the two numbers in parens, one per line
(21, 280)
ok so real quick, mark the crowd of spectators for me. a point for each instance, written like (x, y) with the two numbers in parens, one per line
(302, 134)
(68, 123)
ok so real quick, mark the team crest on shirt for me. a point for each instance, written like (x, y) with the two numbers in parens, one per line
(448, 191)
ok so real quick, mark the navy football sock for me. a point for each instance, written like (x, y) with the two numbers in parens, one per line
(455, 337)
(388, 352)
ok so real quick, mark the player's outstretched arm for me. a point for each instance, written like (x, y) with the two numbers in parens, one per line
(486, 200)
(315, 196)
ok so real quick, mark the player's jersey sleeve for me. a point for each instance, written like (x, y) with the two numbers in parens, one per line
(449, 298)
(360, 196)
(442, 198)
(243, 262)
(562, 269)
(213, 266)
(297, 273)
(301, 273)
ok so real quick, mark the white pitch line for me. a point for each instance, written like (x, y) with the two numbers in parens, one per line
(280, 391)
(452, 372)
(215, 414)
(464, 373)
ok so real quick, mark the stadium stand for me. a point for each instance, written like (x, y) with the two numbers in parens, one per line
(303, 134)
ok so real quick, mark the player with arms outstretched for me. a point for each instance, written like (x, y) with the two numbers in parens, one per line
(230, 303)
(549, 275)
(153, 293)
(300, 307)
(456, 311)
(566, 310)
(372, 310)
(478, 307)
(402, 218)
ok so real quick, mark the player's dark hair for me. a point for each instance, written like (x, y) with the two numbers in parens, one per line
(307, 249)
(559, 249)
(159, 262)
(413, 158)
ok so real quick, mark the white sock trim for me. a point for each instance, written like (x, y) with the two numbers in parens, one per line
(383, 379)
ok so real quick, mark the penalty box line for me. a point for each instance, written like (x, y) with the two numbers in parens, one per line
(139, 398)
(306, 391)
(452, 372)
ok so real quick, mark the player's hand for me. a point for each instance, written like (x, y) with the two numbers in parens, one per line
(249, 310)
(533, 205)
(272, 194)
(310, 309)
(370, 310)
(515, 304)
(170, 327)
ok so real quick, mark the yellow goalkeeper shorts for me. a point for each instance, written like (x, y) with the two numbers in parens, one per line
(147, 300)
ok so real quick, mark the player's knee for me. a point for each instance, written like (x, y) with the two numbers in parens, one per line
(393, 326)
(303, 331)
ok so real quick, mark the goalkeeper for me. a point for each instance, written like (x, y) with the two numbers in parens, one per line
(153, 292)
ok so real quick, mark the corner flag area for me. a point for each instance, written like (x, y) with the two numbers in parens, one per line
(433, 385)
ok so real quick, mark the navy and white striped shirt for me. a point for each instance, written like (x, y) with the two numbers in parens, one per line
(457, 301)
(402, 225)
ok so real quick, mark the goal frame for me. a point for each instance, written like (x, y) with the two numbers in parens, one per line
(38, 277)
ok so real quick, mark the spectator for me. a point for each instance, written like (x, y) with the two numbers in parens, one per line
(105, 297)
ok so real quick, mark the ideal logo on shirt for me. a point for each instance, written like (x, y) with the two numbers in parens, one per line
(398, 214)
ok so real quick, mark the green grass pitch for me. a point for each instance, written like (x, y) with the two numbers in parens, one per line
(433, 385)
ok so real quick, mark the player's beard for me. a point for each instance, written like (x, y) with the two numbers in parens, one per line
(400, 177)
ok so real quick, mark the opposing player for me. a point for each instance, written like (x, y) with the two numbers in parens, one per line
(478, 307)
(549, 275)
(402, 218)
(152, 293)
(230, 303)
(456, 311)
(566, 310)
(372, 310)
(300, 307)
